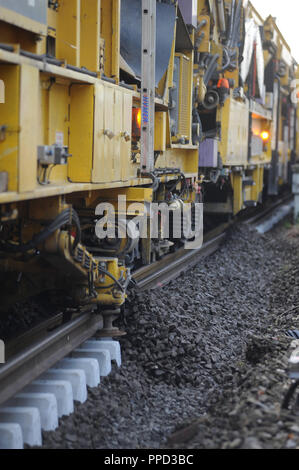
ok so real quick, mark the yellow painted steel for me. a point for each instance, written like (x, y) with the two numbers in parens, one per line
(90, 17)
(28, 142)
(205, 44)
(91, 117)
(68, 32)
(160, 131)
(47, 104)
(110, 28)
(81, 132)
(233, 146)
(9, 140)
(237, 185)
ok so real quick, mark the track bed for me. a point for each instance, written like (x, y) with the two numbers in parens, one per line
(209, 350)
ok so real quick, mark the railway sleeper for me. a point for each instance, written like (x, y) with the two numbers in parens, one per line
(40, 404)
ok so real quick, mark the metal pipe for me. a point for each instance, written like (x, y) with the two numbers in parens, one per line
(231, 24)
(236, 26)
(211, 68)
(221, 15)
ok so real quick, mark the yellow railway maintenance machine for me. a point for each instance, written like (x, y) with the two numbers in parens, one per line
(72, 134)
(244, 77)
(70, 139)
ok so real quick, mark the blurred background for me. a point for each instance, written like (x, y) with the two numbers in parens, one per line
(287, 15)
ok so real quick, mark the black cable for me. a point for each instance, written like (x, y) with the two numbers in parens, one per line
(212, 67)
(104, 271)
(56, 224)
(228, 60)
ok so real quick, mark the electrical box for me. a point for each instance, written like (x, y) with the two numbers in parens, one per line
(53, 155)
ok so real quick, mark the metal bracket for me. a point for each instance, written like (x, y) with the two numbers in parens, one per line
(148, 55)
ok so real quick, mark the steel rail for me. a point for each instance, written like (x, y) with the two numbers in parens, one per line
(39, 349)
(170, 267)
(26, 366)
(167, 269)
(265, 212)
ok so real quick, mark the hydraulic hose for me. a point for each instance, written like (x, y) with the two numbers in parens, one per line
(228, 60)
(212, 67)
(61, 220)
(231, 23)
(236, 25)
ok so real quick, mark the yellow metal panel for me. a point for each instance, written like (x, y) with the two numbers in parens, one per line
(247, 191)
(52, 22)
(237, 184)
(26, 39)
(118, 121)
(185, 159)
(68, 32)
(108, 131)
(160, 131)
(9, 117)
(115, 38)
(127, 168)
(171, 63)
(132, 194)
(233, 146)
(98, 152)
(258, 178)
(58, 124)
(205, 43)
(29, 93)
(90, 34)
(81, 132)
(110, 31)
(109, 111)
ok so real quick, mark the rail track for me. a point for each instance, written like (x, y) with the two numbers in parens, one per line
(45, 346)
(266, 212)
(41, 348)
(171, 266)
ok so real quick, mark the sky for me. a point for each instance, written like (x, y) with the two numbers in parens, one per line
(287, 13)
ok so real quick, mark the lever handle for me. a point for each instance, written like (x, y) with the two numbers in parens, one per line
(126, 136)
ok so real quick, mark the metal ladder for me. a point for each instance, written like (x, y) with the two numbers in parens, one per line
(148, 83)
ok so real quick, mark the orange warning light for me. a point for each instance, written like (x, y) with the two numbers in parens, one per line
(136, 122)
(265, 135)
(139, 117)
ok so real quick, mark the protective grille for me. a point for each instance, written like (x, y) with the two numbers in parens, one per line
(184, 112)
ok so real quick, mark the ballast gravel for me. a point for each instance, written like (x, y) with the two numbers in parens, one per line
(204, 359)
